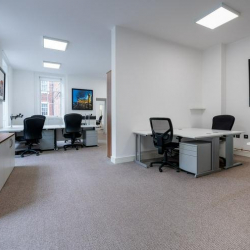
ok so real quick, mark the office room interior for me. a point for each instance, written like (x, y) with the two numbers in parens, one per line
(124, 124)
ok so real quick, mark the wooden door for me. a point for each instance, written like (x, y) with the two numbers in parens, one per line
(109, 120)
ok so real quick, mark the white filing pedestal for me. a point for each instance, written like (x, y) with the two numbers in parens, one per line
(7, 157)
(90, 138)
(195, 157)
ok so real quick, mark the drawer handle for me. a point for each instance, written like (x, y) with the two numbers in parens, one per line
(11, 143)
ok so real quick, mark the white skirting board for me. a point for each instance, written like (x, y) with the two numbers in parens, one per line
(145, 156)
(153, 154)
(242, 153)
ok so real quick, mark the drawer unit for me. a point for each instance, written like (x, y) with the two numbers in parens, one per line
(90, 138)
(48, 140)
(195, 157)
(7, 158)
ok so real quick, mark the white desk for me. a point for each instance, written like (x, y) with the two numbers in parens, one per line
(19, 128)
(197, 134)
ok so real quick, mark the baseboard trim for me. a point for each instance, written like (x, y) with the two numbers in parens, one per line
(242, 153)
(145, 156)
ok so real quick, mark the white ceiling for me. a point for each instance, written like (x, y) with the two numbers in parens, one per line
(87, 24)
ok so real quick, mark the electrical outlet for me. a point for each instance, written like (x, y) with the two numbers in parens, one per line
(237, 136)
(245, 136)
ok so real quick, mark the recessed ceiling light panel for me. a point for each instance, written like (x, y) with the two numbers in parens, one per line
(51, 65)
(218, 17)
(52, 43)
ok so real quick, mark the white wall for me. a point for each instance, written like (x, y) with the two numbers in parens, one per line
(1, 104)
(150, 77)
(213, 83)
(26, 91)
(98, 85)
(23, 99)
(237, 87)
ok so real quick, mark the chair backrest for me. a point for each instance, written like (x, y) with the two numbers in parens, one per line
(33, 128)
(39, 116)
(100, 118)
(73, 123)
(160, 126)
(223, 122)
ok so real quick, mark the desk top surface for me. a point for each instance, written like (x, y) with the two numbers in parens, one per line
(5, 136)
(19, 128)
(194, 133)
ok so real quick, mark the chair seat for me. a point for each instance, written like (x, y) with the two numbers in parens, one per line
(20, 138)
(78, 135)
(172, 145)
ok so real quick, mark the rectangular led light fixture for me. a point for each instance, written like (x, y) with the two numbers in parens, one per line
(51, 65)
(52, 43)
(220, 16)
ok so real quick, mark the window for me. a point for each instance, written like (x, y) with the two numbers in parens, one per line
(44, 108)
(44, 86)
(51, 97)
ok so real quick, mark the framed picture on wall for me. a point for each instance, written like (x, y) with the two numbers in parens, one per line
(2, 84)
(82, 99)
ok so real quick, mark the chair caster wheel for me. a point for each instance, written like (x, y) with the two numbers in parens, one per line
(65, 149)
(37, 154)
(151, 165)
(76, 148)
(160, 170)
(22, 156)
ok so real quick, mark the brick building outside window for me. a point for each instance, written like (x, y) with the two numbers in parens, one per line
(50, 97)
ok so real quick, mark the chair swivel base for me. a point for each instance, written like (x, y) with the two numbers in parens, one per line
(72, 146)
(165, 163)
(30, 151)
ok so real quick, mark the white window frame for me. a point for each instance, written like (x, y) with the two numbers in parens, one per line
(47, 108)
(44, 91)
(43, 77)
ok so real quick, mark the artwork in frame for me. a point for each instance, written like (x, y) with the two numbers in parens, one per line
(82, 99)
(2, 85)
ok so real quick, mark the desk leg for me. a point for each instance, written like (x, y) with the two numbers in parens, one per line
(215, 154)
(138, 154)
(230, 153)
(215, 144)
(55, 140)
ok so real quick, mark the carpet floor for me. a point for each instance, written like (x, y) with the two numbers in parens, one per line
(79, 200)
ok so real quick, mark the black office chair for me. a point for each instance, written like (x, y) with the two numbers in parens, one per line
(98, 122)
(32, 133)
(162, 132)
(73, 130)
(39, 116)
(223, 122)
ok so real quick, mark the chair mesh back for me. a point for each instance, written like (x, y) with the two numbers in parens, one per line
(223, 122)
(33, 128)
(73, 123)
(160, 126)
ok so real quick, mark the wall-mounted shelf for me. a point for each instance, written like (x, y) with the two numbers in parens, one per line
(197, 108)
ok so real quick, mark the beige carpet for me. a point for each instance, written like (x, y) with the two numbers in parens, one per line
(79, 200)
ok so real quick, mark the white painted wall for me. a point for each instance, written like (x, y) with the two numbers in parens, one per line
(1, 104)
(26, 91)
(98, 85)
(23, 94)
(213, 84)
(237, 87)
(150, 77)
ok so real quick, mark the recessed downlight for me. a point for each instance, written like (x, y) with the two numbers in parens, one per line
(52, 43)
(51, 65)
(218, 17)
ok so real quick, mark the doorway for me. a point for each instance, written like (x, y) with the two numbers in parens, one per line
(101, 118)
